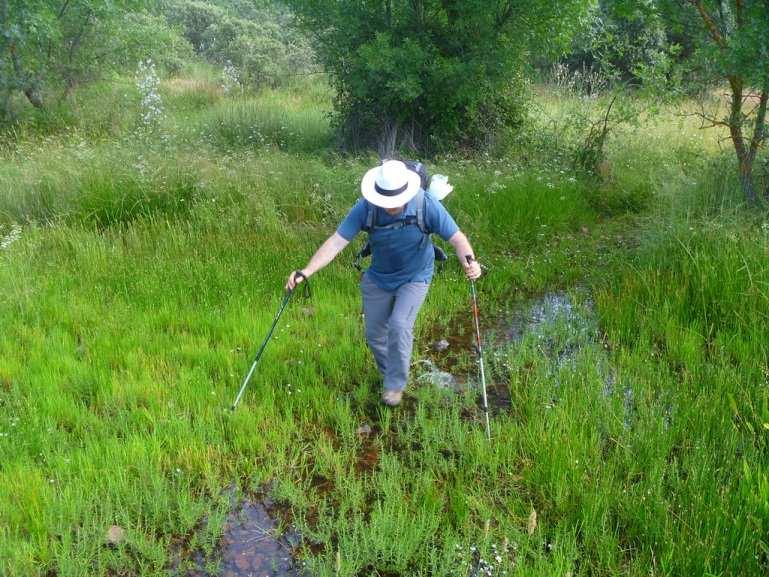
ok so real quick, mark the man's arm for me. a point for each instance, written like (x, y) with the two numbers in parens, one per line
(463, 249)
(324, 255)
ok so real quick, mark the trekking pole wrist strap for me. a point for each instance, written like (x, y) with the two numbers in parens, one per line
(305, 278)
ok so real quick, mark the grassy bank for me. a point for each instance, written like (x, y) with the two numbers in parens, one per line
(149, 267)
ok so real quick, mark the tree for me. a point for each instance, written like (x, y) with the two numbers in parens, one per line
(431, 73)
(739, 32)
(622, 45)
(56, 44)
(258, 39)
(732, 45)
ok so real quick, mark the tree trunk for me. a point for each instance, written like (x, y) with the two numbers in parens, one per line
(759, 132)
(5, 105)
(33, 94)
(744, 157)
(746, 179)
(29, 86)
(766, 180)
(389, 139)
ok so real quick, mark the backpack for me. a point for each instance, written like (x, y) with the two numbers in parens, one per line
(421, 170)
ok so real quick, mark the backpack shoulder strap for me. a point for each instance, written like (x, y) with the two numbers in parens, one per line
(421, 202)
(370, 213)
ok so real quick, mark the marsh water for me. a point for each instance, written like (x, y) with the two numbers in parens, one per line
(250, 547)
(560, 327)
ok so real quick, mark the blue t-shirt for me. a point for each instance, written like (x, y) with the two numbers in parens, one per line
(400, 255)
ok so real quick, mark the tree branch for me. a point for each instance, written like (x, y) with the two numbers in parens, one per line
(759, 132)
(62, 10)
(735, 116)
(710, 23)
(27, 84)
(713, 121)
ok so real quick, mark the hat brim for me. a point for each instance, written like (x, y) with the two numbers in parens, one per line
(368, 190)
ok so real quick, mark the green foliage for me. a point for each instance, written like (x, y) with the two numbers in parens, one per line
(431, 74)
(145, 273)
(626, 44)
(113, 188)
(49, 48)
(743, 46)
(734, 44)
(249, 124)
(691, 306)
(260, 42)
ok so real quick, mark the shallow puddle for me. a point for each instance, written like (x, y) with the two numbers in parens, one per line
(561, 331)
(560, 328)
(250, 547)
(553, 321)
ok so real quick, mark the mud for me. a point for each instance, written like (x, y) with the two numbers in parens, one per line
(368, 458)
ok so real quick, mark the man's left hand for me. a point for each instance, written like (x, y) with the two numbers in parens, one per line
(472, 269)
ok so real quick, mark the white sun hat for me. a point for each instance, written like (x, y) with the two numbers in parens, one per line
(390, 185)
(439, 186)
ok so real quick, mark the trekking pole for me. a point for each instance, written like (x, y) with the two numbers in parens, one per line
(480, 352)
(286, 298)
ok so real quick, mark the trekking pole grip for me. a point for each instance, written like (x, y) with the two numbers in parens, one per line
(300, 274)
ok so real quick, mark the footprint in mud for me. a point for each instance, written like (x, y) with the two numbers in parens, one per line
(249, 547)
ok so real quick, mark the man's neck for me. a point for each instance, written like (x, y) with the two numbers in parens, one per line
(394, 211)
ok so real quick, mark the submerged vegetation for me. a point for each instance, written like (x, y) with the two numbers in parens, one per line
(138, 272)
(164, 165)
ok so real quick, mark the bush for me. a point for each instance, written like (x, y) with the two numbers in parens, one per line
(429, 75)
(262, 45)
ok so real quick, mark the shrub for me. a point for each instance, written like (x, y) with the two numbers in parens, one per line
(261, 44)
(432, 74)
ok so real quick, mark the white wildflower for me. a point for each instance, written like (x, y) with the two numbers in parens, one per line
(13, 235)
(148, 83)
(230, 79)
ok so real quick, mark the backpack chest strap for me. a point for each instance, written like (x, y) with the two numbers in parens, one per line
(418, 219)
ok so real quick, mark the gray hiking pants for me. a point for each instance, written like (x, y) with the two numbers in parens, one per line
(389, 318)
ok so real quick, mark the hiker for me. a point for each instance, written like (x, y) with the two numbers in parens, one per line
(398, 215)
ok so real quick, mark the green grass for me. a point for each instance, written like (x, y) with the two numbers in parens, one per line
(147, 273)
(690, 318)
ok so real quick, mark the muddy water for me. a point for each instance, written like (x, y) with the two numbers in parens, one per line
(553, 322)
(250, 547)
(560, 329)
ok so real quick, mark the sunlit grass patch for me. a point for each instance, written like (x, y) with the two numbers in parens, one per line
(262, 123)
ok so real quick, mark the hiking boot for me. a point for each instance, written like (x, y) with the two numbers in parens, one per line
(392, 398)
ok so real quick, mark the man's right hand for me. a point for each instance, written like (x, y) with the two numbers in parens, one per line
(294, 279)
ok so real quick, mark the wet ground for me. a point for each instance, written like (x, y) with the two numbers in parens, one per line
(561, 327)
(557, 325)
(250, 547)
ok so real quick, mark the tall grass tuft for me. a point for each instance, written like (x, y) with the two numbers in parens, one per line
(246, 123)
